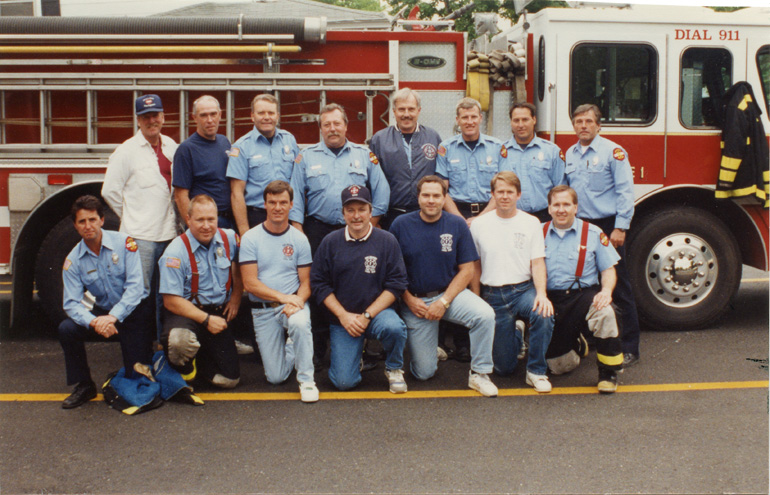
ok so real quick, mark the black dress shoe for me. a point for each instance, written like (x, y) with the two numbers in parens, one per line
(84, 391)
(463, 354)
(629, 359)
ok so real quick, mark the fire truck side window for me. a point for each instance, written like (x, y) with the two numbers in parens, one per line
(619, 78)
(707, 74)
(763, 65)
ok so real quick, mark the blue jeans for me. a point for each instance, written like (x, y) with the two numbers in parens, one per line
(511, 302)
(467, 309)
(387, 327)
(278, 357)
(150, 252)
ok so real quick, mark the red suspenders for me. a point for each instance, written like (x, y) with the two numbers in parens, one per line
(194, 265)
(583, 247)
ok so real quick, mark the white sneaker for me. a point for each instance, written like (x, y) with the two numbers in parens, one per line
(396, 381)
(441, 354)
(308, 392)
(481, 383)
(539, 382)
(243, 347)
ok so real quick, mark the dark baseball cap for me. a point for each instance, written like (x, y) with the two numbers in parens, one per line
(148, 103)
(356, 193)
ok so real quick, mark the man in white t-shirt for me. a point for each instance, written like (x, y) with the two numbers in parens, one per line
(511, 277)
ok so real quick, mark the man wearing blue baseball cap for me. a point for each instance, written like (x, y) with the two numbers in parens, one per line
(137, 186)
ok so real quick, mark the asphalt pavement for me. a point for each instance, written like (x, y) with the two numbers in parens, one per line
(691, 417)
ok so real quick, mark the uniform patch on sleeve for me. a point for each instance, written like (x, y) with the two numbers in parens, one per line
(298, 159)
(618, 154)
(561, 155)
(441, 151)
(173, 262)
(237, 239)
(67, 264)
(603, 239)
(234, 152)
(504, 152)
(131, 244)
(373, 158)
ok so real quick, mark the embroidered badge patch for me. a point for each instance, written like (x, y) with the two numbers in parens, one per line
(504, 152)
(298, 159)
(561, 155)
(441, 151)
(288, 250)
(237, 239)
(234, 152)
(373, 158)
(603, 239)
(67, 264)
(131, 244)
(618, 154)
(429, 151)
(173, 262)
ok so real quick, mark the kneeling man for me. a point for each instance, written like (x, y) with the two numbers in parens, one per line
(202, 290)
(581, 277)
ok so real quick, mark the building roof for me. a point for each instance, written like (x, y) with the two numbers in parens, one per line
(337, 18)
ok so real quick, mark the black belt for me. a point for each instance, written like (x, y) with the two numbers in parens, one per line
(211, 308)
(473, 208)
(507, 286)
(256, 208)
(263, 305)
(431, 293)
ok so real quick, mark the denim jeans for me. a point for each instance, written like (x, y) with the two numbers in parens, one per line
(467, 309)
(387, 327)
(511, 302)
(150, 252)
(278, 356)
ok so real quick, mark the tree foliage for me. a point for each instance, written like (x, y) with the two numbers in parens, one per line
(370, 5)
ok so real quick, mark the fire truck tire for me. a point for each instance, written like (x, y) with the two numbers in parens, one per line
(685, 266)
(50, 258)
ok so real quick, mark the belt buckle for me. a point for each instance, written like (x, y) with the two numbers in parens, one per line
(475, 208)
(274, 304)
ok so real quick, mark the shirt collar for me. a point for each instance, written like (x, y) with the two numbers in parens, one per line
(363, 239)
(416, 129)
(195, 244)
(107, 242)
(261, 136)
(330, 152)
(574, 226)
(512, 143)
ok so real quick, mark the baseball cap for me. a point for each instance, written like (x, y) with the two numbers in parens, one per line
(356, 193)
(148, 103)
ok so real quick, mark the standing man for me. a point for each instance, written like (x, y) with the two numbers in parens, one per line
(275, 264)
(578, 258)
(511, 277)
(263, 155)
(137, 186)
(407, 152)
(439, 255)
(539, 164)
(106, 264)
(200, 162)
(320, 175)
(197, 272)
(358, 274)
(598, 170)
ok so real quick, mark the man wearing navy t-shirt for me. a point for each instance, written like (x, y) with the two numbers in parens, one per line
(439, 255)
(200, 162)
(358, 274)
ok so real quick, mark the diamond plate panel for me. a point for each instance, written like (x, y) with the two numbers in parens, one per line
(438, 111)
(445, 51)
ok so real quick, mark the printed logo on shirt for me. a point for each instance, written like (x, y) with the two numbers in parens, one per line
(446, 243)
(288, 250)
(131, 244)
(603, 239)
(373, 158)
(67, 264)
(518, 240)
(173, 262)
(429, 151)
(504, 152)
(298, 159)
(618, 154)
(234, 152)
(370, 264)
(441, 151)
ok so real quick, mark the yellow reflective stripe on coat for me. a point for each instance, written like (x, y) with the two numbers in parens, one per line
(615, 360)
(727, 176)
(731, 163)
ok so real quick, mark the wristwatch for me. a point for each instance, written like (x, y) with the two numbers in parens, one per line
(445, 303)
(367, 315)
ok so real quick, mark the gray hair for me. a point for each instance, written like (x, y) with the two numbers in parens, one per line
(203, 99)
(404, 94)
(585, 108)
(330, 108)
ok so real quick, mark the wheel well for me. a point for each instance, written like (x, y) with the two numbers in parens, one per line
(735, 218)
(35, 228)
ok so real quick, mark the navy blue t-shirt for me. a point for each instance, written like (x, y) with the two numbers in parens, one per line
(200, 165)
(433, 251)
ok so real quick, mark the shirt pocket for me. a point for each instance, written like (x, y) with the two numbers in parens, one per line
(260, 167)
(357, 174)
(458, 174)
(317, 178)
(487, 170)
(540, 174)
(146, 177)
(599, 179)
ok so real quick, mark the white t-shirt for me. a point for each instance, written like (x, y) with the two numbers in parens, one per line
(507, 246)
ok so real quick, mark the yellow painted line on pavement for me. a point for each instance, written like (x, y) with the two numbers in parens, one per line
(428, 394)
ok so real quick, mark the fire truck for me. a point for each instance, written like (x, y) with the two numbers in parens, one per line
(68, 85)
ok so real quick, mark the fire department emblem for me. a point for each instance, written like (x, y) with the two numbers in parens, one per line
(446, 243)
(237, 239)
(441, 151)
(561, 155)
(618, 154)
(354, 190)
(373, 158)
(429, 151)
(149, 102)
(288, 250)
(504, 152)
(603, 239)
(370, 264)
(131, 244)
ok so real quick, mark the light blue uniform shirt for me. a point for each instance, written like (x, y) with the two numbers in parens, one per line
(278, 256)
(114, 278)
(320, 176)
(256, 161)
(213, 268)
(561, 256)
(603, 180)
(469, 171)
(539, 166)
